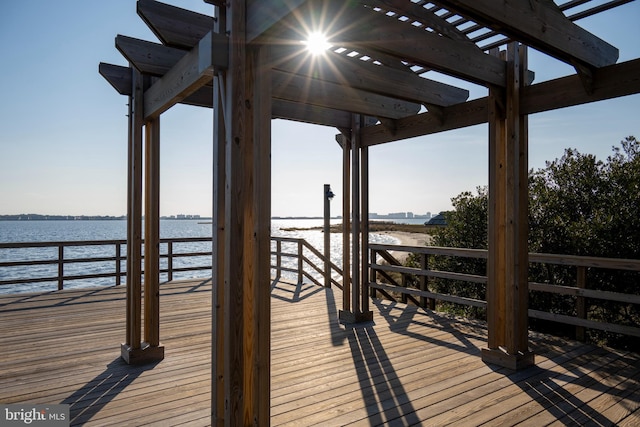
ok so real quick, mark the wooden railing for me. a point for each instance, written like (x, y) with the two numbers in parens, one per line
(309, 262)
(306, 256)
(63, 262)
(297, 256)
(420, 295)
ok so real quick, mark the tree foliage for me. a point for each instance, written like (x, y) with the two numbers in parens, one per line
(578, 205)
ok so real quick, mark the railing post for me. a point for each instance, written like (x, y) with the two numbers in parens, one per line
(581, 306)
(60, 267)
(278, 258)
(118, 267)
(404, 298)
(424, 302)
(373, 256)
(299, 260)
(169, 260)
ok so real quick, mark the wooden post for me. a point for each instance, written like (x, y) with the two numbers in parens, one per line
(364, 232)
(507, 287)
(218, 246)
(246, 292)
(218, 349)
(346, 215)
(355, 214)
(134, 351)
(131, 348)
(152, 242)
(496, 213)
(359, 297)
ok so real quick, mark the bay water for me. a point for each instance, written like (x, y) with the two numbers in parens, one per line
(78, 230)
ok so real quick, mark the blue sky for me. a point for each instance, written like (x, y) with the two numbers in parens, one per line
(63, 130)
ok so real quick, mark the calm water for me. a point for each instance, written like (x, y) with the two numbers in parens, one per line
(39, 231)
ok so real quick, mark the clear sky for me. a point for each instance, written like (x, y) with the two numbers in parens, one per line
(63, 130)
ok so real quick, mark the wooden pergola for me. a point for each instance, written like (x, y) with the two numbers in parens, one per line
(248, 62)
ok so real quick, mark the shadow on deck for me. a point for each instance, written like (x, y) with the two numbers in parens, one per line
(408, 367)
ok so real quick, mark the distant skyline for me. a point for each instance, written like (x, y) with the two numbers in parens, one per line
(34, 216)
(372, 215)
(63, 130)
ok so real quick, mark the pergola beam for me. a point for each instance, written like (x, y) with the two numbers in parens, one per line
(354, 26)
(289, 110)
(174, 26)
(120, 78)
(190, 73)
(262, 15)
(148, 57)
(384, 80)
(610, 82)
(541, 25)
(183, 28)
(537, 23)
(386, 34)
(312, 91)
(193, 70)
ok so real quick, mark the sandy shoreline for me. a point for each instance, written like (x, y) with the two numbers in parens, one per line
(406, 238)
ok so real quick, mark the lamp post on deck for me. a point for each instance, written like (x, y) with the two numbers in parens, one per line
(328, 195)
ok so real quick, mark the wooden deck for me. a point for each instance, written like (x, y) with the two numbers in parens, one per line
(409, 367)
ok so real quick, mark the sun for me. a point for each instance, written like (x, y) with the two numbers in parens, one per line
(317, 43)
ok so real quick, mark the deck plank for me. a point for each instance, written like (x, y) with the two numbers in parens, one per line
(408, 367)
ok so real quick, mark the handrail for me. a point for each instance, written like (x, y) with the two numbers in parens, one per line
(428, 298)
(303, 261)
(61, 260)
(306, 259)
(311, 264)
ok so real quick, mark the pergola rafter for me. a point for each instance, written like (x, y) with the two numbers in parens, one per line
(248, 62)
(369, 76)
(539, 24)
(174, 26)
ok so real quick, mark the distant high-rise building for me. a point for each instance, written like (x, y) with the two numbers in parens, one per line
(397, 215)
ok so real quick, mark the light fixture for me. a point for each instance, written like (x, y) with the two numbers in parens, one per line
(329, 194)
